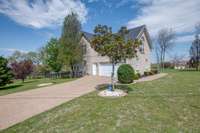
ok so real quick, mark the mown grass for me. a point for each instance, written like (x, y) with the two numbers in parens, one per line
(18, 85)
(170, 104)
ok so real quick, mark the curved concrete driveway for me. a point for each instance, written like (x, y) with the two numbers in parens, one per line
(17, 107)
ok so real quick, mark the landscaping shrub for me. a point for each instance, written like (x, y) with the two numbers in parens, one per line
(151, 73)
(147, 73)
(125, 74)
(154, 71)
(136, 76)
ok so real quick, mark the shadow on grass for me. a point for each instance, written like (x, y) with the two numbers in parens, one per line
(125, 88)
(10, 87)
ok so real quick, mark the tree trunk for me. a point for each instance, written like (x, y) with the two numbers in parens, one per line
(112, 76)
(163, 60)
(72, 70)
(198, 56)
(197, 67)
(158, 61)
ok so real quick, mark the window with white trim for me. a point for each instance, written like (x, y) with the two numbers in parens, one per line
(84, 49)
(141, 48)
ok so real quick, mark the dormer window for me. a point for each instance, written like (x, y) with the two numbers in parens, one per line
(141, 48)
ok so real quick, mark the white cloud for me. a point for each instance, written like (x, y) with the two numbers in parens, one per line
(122, 3)
(181, 15)
(12, 50)
(39, 14)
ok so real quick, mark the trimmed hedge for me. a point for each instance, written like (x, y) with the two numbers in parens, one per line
(125, 74)
(136, 76)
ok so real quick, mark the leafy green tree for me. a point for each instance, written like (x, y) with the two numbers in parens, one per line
(20, 56)
(33, 56)
(51, 52)
(42, 69)
(16, 56)
(117, 47)
(42, 55)
(6, 75)
(70, 48)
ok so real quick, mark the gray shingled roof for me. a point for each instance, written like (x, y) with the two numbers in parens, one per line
(88, 35)
(133, 33)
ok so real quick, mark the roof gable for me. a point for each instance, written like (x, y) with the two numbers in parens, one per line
(88, 36)
(134, 33)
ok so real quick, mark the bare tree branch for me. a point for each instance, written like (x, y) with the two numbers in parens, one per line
(165, 42)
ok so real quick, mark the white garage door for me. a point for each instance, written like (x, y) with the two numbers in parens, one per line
(106, 70)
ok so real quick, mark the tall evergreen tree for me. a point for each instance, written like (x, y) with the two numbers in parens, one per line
(70, 49)
(6, 75)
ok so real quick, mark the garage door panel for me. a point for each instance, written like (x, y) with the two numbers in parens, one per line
(106, 69)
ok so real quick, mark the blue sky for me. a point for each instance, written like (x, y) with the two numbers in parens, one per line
(26, 25)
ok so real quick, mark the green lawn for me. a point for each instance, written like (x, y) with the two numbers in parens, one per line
(18, 86)
(170, 104)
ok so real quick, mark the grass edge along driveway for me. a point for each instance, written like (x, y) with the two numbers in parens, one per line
(170, 104)
(29, 84)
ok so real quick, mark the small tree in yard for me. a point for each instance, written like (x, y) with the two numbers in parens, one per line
(33, 56)
(116, 46)
(22, 69)
(6, 75)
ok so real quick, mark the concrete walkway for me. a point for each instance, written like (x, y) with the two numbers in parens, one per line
(150, 78)
(17, 107)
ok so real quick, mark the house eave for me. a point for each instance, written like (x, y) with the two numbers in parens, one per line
(144, 30)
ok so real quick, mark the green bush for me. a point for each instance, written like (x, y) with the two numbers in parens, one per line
(125, 74)
(154, 71)
(136, 76)
(147, 73)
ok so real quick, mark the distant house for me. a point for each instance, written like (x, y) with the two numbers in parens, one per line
(94, 64)
(181, 65)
